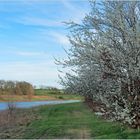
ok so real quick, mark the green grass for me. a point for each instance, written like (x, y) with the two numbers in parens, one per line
(41, 95)
(75, 121)
(57, 94)
(46, 92)
(70, 121)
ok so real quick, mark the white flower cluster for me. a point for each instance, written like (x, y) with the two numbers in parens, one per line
(105, 58)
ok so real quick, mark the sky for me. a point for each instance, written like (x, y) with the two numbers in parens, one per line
(32, 34)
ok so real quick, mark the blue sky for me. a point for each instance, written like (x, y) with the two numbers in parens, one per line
(32, 33)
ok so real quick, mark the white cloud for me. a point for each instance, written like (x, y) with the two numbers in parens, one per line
(72, 13)
(21, 53)
(60, 38)
(68, 4)
(37, 21)
(56, 36)
(44, 73)
(30, 14)
(77, 13)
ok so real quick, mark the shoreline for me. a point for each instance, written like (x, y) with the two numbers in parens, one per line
(15, 105)
(25, 98)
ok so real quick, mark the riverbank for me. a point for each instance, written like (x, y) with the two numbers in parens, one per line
(40, 95)
(65, 121)
(48, 97)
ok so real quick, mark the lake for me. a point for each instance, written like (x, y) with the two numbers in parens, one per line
(3, 105)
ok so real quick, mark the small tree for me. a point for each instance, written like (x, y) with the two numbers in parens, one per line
(25, 88)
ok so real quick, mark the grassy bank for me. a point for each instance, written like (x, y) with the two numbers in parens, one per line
(68, 121)
(56, 94)
(41, 95)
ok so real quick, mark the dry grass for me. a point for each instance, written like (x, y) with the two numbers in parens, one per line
(4, 98)
(13, 123)
(44, 97)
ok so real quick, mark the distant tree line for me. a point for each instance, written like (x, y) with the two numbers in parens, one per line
(46, 87)
(16, 88)
(50, 89)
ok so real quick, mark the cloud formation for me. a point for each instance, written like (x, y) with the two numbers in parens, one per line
(21, 53)
(44, 73)
(32, 32)
(37, 21)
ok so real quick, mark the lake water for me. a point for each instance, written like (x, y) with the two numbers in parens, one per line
(3, 105)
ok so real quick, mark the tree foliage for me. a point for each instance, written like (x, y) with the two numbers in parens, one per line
(16, 88)
(104, 58)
